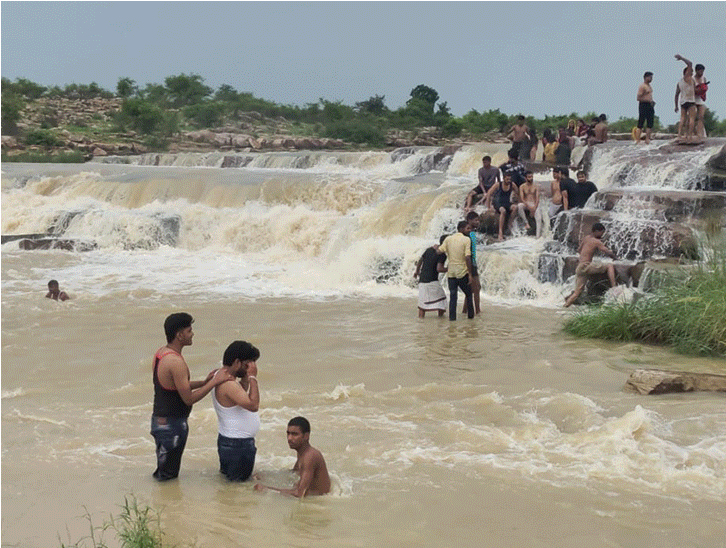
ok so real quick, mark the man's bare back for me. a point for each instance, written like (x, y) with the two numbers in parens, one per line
(311, 462)
(589, 245)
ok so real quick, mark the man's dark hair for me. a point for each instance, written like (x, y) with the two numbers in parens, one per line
(598, 227)
(565, 172)
(647, 73)
(603, 117)
(699, 66)
(486, 159)
(53, 283)
(471, 215)
(520, 117)
(300, 422)
(461, 225)
(175, 323)
(512, 154)
(443, 237)
(582, 173)
(241, 350)
(528, 173)
(685, 69)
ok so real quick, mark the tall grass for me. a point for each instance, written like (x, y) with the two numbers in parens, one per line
(688, 313)
(135, 527)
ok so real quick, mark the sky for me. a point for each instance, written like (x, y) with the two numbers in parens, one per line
(533, 58)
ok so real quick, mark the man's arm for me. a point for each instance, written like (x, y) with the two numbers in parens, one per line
(642, 92)
(605, 250)
(490, 193)
(239, 395)
(536, 196)
(565, 197)
(180, 375)
(686, 61)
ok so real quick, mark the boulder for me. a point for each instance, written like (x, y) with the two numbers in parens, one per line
(9, 142)
(654, 381)
(98, 151)
(56, 243)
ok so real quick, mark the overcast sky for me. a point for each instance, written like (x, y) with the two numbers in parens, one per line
(533, 58)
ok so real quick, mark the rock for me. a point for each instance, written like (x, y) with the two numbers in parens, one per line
(653, 381)
(55, 243)
(98, 151)
(9, 142)
(241, 141)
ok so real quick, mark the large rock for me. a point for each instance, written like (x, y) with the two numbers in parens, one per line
(653, 381)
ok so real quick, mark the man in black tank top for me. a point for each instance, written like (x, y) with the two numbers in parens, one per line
(174, 395)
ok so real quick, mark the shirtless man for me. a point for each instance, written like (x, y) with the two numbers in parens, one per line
(601, 130)
(518, 134)
(487, 176)
(529, 196)
(646, 108)
(310, 464)
(586, 266)
(55, 293)
(686, 98)
(174, 395)
(555, 194)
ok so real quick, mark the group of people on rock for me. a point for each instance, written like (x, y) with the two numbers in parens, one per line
(557, 146)
(510, 189)
(236, 399)
(690, 99)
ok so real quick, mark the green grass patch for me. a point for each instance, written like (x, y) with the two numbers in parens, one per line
(46, 158)
(688, 313)
(136, 526)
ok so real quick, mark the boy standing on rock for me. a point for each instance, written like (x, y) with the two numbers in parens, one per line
(586, 267)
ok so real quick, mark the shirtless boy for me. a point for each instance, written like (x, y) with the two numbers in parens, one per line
(310, 464)
(55, 293)
(586, 267)
(518, 134)
(529, 196)
(555, 194)
(502, 197)
(646, 108)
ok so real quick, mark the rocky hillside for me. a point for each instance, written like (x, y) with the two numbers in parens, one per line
(86, 126)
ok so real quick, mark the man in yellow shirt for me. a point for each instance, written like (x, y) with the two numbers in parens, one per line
(458, 249)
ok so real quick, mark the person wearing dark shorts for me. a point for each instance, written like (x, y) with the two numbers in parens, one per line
(646, 108)
(487, 175)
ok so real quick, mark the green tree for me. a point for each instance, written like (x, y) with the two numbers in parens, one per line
(12, 107)
(207, 114)
(142, 116)
(126, 87)
(226, 93)
(154, 93)
(425, 94)
(26, 88)
(185, 90)
(372, 105)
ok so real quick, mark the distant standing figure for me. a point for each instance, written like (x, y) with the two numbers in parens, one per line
(487, 175)
(564, 149)
(586, 267)
(237, 406)
(55, 293)
(431, 295)
(600, 130)
(686, 99)
(556, 204)
(458, 249)
(701, 89)
(473, 219)
(174, 395)
(519, 134)
(310, 464)
(646, 108)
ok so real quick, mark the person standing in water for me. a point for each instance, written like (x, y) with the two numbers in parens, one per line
(586, 267)
(310, 464)
(174, 395)
(431, 295)
(458, 249)
(237, 404)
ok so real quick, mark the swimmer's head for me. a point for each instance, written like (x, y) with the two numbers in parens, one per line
(242, 351)
(175, 323)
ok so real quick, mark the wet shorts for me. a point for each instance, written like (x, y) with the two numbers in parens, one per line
(687, 106)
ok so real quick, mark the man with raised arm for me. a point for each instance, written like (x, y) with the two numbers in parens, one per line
(646, 108)
(310, 464)
(174, 395)
(586, 267)
(686, 99)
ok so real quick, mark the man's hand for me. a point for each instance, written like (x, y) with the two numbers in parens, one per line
(259, 487)
(252, 369)
(222, 375)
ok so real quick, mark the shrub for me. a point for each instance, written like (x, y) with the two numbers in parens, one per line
(204, 115)
(357, 131)
(42, 137)
(74, 157)
(12, 107)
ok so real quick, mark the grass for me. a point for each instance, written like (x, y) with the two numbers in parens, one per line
(46, 158)
(687, 313)
(135, 527)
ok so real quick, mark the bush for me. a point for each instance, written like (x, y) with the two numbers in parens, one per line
(357, 131)
(75, 157)
(452, 128)
(142, 116)
(12, 106)
(687, 314)
(205, 115)
(42, 137)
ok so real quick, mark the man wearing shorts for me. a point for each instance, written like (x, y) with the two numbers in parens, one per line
(586, 267)
(487, 175)
(646, 107)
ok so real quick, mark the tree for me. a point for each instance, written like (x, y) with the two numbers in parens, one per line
(425, 94)
(372, 105)
(185, 90)
(126, 87)
(226, 93)
(12, 107)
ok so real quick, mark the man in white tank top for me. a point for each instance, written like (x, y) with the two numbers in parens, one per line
(237, 404)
